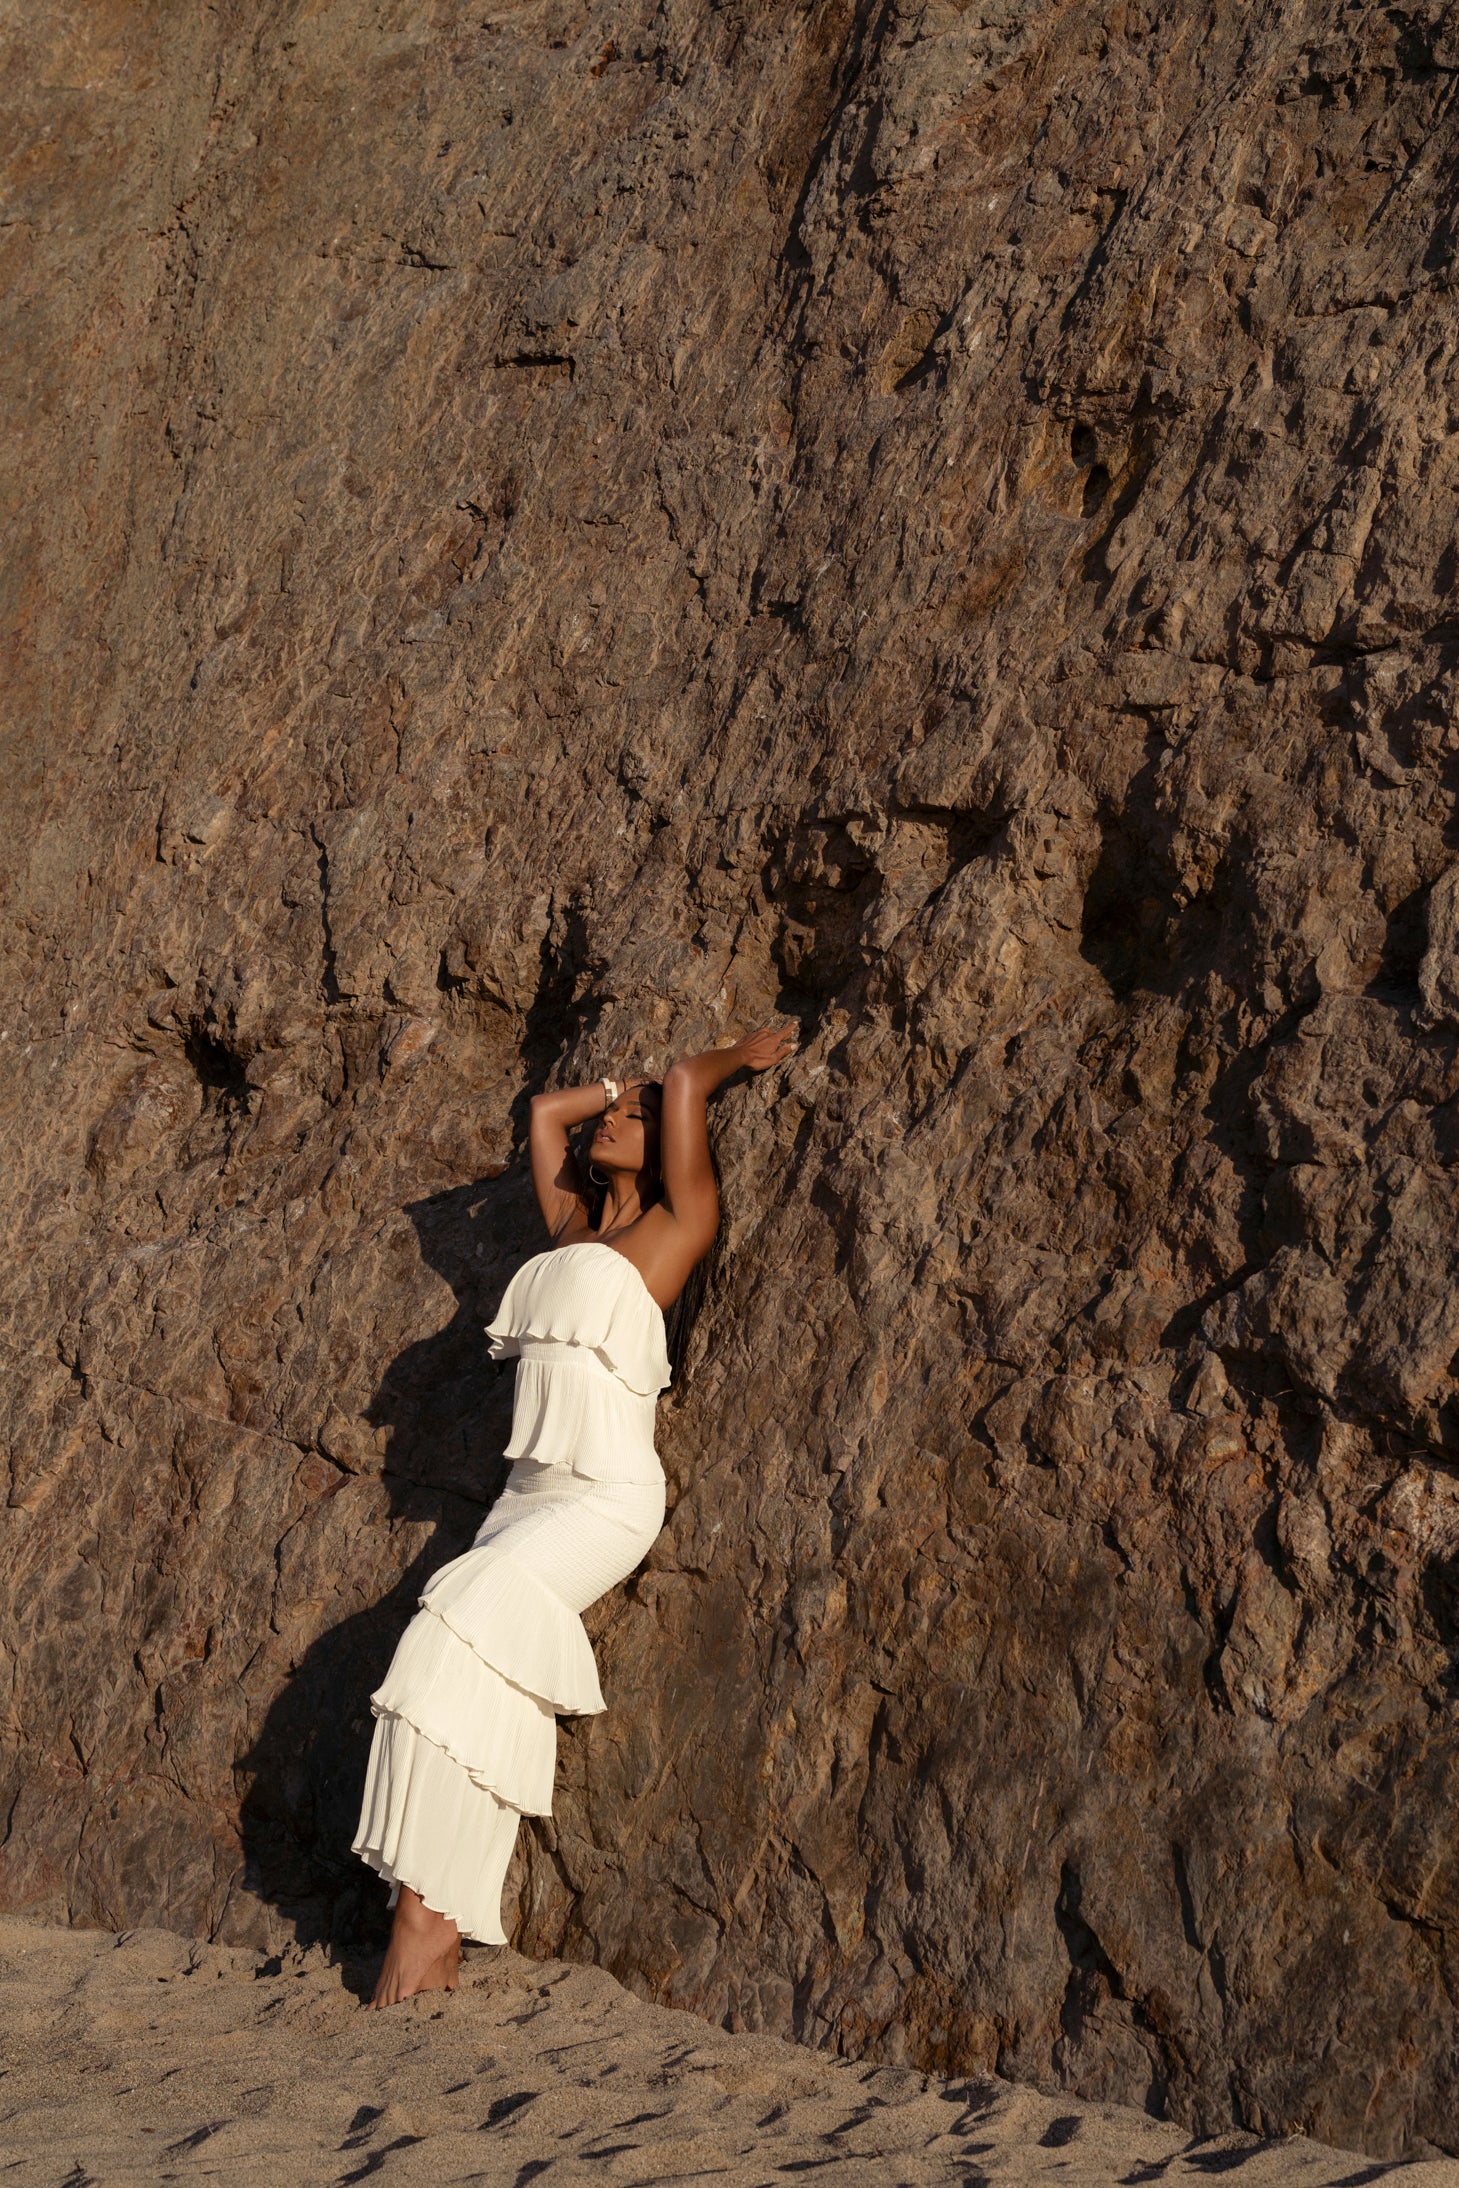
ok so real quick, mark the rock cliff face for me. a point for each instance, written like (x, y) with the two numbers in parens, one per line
(548, 533)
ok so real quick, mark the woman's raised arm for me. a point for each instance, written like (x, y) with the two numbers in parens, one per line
(561, 1190)
(690, 1194)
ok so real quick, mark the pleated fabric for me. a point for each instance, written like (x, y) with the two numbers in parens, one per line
(592, 1357)
(425, 1823)
(466, 1718)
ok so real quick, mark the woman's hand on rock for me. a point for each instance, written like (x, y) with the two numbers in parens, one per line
(756, 1052)
(771, 1045)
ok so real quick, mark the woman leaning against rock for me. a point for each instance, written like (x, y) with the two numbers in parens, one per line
(466, 1733)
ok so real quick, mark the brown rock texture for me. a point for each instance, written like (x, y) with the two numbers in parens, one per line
(547, 533)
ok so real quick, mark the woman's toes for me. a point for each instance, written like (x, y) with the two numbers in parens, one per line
(417, 1960)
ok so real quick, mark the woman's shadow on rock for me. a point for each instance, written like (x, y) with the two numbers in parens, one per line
(447, 1407)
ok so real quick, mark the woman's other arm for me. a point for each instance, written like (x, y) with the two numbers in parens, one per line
(561, 1189)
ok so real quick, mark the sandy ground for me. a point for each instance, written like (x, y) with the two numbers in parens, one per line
(145, 2057)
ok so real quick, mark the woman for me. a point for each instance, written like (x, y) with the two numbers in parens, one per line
(466, 1720)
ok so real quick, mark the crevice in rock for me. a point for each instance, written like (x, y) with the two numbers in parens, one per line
(1092, 1980)
(222, 1075)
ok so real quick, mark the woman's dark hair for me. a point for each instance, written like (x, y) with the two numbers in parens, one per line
(680, 1319)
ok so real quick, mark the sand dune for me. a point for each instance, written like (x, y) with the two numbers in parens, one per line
(145, 2057)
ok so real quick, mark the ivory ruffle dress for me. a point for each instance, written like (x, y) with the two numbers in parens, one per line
(466, 1720)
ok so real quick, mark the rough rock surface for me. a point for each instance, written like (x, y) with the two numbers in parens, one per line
(547, 532)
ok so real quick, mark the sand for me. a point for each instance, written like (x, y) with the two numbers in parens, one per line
(146, 2057)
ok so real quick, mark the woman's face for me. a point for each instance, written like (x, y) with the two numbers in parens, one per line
(627, 1137)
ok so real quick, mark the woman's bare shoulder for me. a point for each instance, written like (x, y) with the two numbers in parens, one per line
(661, 1253)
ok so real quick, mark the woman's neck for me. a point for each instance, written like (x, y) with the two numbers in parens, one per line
(619, 1213)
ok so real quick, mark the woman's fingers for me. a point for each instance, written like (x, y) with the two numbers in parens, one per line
(771, 1045)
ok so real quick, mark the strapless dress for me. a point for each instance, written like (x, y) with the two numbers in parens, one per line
(465, 1739)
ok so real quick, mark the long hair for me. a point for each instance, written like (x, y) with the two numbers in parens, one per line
(681, 1317)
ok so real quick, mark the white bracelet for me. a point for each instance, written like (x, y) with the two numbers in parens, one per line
(610, 1092)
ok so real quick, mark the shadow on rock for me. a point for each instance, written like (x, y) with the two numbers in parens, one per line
(447, 1406)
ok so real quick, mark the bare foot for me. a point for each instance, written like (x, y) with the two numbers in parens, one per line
(423, 1954)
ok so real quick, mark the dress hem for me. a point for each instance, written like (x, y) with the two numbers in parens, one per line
(558, 1707)
(374, 1859)
(473, 1770)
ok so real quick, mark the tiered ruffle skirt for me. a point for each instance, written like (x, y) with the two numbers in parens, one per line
(466, 1720)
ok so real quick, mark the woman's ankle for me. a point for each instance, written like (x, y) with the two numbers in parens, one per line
(412, 1913)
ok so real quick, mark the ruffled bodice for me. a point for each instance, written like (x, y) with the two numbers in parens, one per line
(588, 1338)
